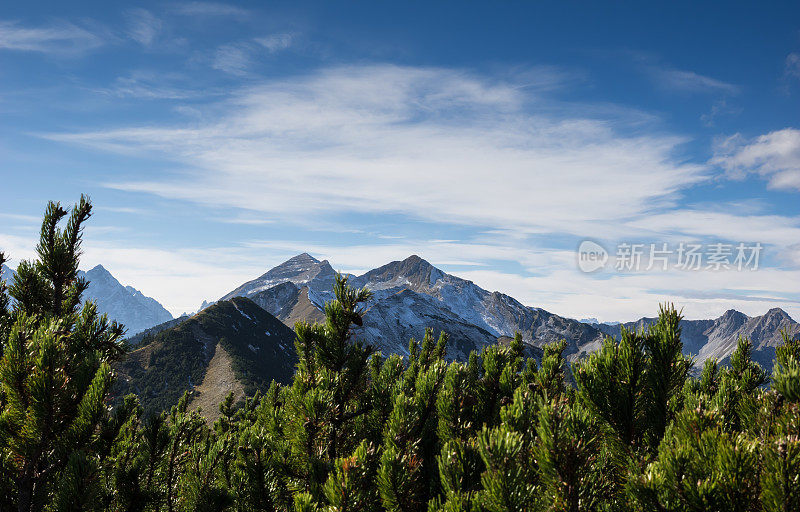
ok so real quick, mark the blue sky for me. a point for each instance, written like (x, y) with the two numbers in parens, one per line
(217, 140)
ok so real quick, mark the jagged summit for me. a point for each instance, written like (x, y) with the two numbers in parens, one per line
(125, 304)
(302, 263)
(778, 313)
(413, 272)
(302, 259)
(732, 316)
(718, 338)
(301, 270)
(99, 274)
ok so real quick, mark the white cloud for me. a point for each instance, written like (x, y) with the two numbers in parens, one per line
(276, 42)
(232, 58)
(688, 81)
(437, 144)
(209, 9)
(60, 38)
(151, 85)
(143, 26)
(17, 248)
(237, 58)
(27, 219)
(447, 147)
(775, 156)
(793, 65)
(775, 230)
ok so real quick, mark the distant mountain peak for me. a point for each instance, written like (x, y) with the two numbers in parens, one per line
(123, 303)
(411, 265)
(415, 259)
(300, 270)
(412, 271)
(777, 313)
(301, 258)
(100, 273)
(733, 314)
(303, 261)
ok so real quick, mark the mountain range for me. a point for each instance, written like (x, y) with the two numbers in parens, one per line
(244, 340)
(717, 338)
(408, 296)
(411, 294)
(125, 304)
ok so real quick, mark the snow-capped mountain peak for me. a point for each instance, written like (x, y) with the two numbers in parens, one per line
(409, 295)
(125, 304)
(301, 270)
(99, 275)
(412, 272)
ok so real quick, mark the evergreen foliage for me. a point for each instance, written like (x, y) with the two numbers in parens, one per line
(627, 428)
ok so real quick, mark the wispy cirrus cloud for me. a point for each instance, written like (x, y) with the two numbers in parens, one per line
(209, 9)
(233, 58)
(448, 147)
(62, 38)
(276, 42)
(237, 58)
(438, 144)
(775, 156)
(143, 26)
(678, 80)
(151, 85)
(792, 66)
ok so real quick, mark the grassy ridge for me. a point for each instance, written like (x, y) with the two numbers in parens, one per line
(172, 361)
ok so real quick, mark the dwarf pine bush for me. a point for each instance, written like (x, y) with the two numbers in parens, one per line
(627, 428)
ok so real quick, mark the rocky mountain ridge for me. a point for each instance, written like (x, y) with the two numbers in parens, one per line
(717, 338)
(231, 346)
(125, 304)
(412, 294)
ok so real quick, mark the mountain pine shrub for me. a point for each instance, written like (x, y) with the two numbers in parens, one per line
(628, 428)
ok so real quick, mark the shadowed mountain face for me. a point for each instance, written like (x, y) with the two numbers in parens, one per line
(242, 346)
(717, 338)
(410, 295)
(289, 303)
(125, 304)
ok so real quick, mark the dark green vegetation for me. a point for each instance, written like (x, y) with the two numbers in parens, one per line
(355, 430)
(172, 361)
